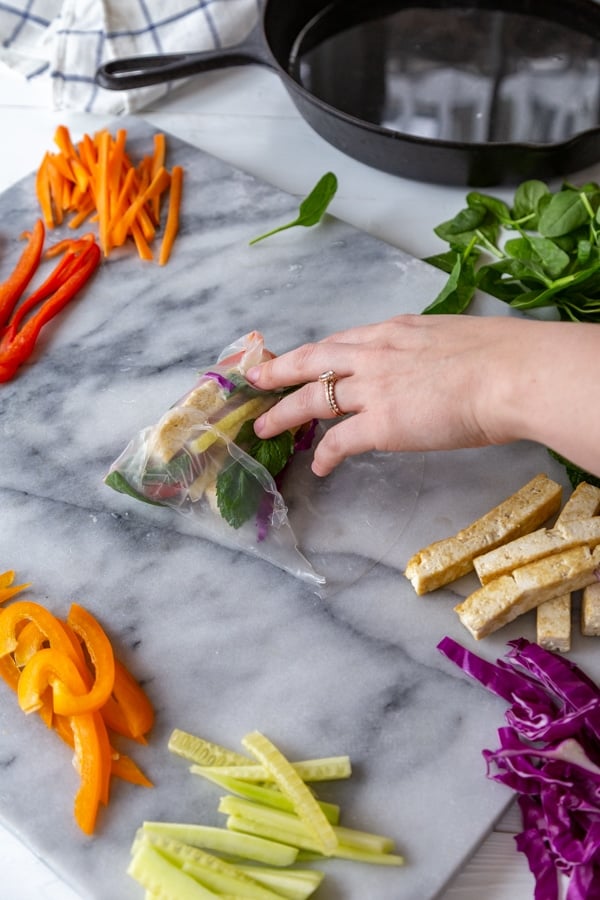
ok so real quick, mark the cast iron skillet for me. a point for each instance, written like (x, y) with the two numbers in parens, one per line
(478, 93)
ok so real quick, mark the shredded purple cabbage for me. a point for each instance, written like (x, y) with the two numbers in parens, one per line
(221, 380)
(305, 436)
(549, 755)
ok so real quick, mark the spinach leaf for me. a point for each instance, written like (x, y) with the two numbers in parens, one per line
(542, 250)
(312, 209)
(553, 260)
(565, 212)
(527, 200)
(467, 226)
(458, 291)
(497, 208)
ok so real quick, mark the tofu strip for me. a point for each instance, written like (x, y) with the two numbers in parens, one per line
(590, 610)
(500, 601)
(554, 617)
(449, 559)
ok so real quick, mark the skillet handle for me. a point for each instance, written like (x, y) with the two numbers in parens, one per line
(142, 71)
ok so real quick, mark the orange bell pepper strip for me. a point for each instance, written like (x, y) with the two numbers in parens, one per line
(90, 740)
(48, 668)
(9, 672)
(100, 653)
(128, 711)
(126, 769)
(22, 611)
(92, 761)
(25, 269)
(7, 588)
(31, 639)
(121, 765)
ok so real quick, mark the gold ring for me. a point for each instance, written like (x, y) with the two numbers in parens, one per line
(329, 379)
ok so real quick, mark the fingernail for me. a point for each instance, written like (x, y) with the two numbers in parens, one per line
(253, 373)
(258, 425)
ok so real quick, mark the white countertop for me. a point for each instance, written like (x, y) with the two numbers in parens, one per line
(245, 117)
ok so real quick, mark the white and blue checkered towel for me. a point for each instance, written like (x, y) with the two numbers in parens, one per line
(66, 41)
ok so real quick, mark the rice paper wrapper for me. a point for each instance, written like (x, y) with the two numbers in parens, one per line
(203, 460)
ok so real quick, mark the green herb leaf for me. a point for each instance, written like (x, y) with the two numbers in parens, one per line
(118, 482)
(493, 205)
(312, 209)
(541, 250)
(274, 452)
(574, 473)
(239, 491)
(555, 261)
(527, 199)
(458, 291)
(565, 212)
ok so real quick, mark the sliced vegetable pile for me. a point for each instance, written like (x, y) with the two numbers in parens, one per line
(95, 179)
(67, 672)
(20, 321)
(550, 756)
(273, 820)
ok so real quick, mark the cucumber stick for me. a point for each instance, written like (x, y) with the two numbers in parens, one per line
(292, 785)
(332, 768)
(259, 793)
(160, 877)
(274, 819)
(231, 423)
(222, 841)
(204, 753)
(293, 884)
(279, 821)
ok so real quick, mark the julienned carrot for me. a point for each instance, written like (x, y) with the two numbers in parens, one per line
(157, 186)
(158, 162)
(95, 179)
(172, 225)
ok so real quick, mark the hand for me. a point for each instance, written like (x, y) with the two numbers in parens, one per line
(410, 383)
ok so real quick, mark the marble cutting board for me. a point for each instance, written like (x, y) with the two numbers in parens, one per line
(224, 641)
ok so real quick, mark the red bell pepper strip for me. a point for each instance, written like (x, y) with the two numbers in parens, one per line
(66, 267)
(15, 349)
(26, 267)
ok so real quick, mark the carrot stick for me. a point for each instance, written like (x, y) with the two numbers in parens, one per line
(42, 189)
(63, 141)
(158, 184)
(158, 162)
(172, 225)
(103, 141)
(143, 247)
(96, 179)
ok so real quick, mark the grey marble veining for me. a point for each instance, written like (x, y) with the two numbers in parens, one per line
(224, 641)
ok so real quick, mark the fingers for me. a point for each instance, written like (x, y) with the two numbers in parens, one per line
(348, 438)
(305, 403)
(302, 365)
